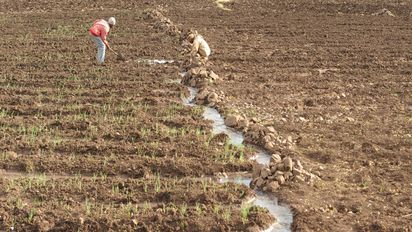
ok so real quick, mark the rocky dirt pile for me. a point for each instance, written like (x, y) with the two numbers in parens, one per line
(256, 133)
(279, 172)
(199, 77)
(163, 23)
(208, 97)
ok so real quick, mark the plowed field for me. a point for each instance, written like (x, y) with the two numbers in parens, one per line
(112, 148)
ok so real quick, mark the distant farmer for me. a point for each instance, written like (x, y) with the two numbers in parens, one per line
(200, 49)
(98, 32)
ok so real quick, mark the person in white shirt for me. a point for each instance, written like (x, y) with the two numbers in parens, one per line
(200, 49)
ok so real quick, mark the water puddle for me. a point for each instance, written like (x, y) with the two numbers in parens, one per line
(282, 213)
(155, 61)
(261, 157)
(220, 4)
(235, 138)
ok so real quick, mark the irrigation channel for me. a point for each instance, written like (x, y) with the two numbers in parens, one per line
(282, 213)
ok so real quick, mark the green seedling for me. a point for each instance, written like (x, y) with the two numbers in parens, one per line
(87, 207)
(31, 215)
(4, 156)
(10, 185)
(244, 213)
(183, 210)
(198, 132)
(29, 166)
(115, 189)
(3, 113)
(146, 206)
(128, 210)
(13, 224)
(198, 209)
(226, 214)
(103, 176)
(157, 184)
(40, 180)
(204, 185)
(79, 181)
(25, 38)
(94, 178)
(242, 157)
(216, 209)
(18, 203)
(182, 132)
(57, 142)
(197, 111)
(60, 32)
(144, 132)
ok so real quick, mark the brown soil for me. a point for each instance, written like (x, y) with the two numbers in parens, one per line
(112, 148)
(332, 74)
(336, 77)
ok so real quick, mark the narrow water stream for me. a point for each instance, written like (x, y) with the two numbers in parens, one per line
(152, 62)
(282, 213)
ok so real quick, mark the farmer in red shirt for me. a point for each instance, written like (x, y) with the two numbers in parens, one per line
(98, 32)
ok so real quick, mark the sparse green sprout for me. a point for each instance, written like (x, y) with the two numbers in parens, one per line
(4, 156)
(103, 176)
(29, 166)
(198, 132)
(226, 214)
(145, 206)
(61, 31)
(94, 178)
(40, 180)
(3, 113)
(244, 213)
(18, 203)
(57, 141)
(183, 210)
(10, 185)
(144, 132)
(204, 185)
(87, 207)
(216, 209)
(128, 209)
(198, 209)
(158, 184)
(197, 110)
(115, 189)
(182, 132)
(31, 215)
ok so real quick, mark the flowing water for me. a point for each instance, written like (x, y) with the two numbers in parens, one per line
(155, 61)
(282, 213)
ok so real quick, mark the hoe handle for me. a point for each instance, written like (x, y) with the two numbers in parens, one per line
(114, 52)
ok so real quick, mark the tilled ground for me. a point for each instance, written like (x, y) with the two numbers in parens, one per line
(334, 78)
(332, 75)
(91, 148)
